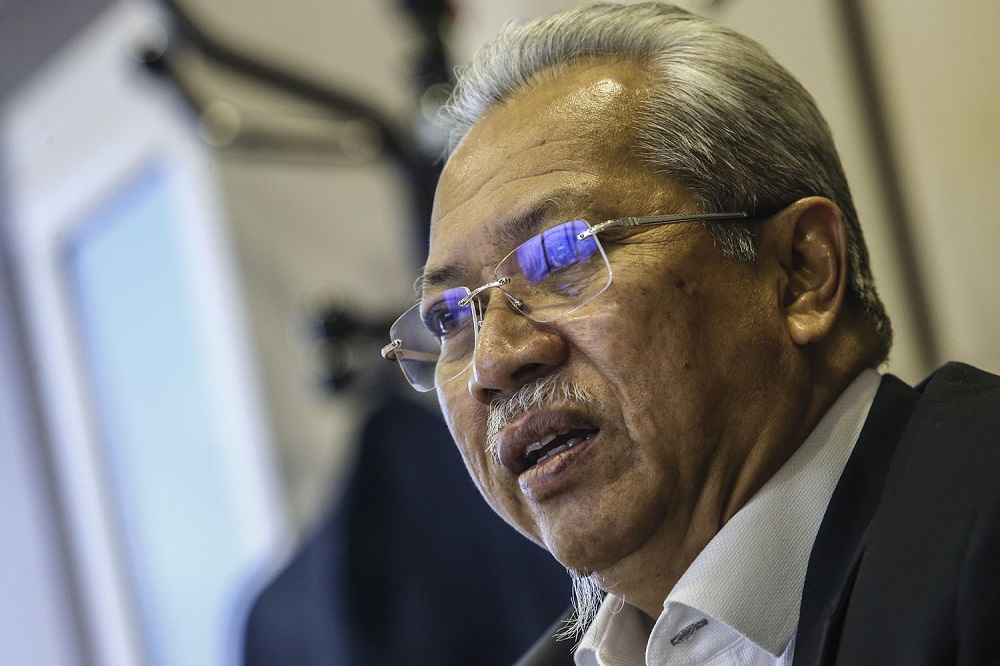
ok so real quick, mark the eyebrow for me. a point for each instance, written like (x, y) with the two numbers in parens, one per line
(510, 233)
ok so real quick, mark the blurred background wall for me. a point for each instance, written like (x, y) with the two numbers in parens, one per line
(278, 236)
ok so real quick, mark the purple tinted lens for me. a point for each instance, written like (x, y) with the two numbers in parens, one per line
(450, 299)
(442, 317)
(554, 250)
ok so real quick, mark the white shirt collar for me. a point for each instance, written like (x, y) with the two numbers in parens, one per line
(750, 575)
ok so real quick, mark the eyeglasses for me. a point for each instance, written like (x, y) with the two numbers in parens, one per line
(547, 277)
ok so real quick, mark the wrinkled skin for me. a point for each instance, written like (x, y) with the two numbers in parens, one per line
(702, 386)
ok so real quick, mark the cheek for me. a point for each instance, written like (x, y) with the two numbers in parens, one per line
(657, 347)
(467, 423)
(466, 419)
(641, 336)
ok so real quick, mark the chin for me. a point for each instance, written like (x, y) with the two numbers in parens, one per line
(578, 553)
(525, 527)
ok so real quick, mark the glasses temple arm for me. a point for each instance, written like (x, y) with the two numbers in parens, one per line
(652, 220)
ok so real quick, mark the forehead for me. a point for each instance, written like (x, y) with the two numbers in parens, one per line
(559, 149)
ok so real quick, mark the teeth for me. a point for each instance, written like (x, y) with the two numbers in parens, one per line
(538, 446)
(558, 449)
(533, 449)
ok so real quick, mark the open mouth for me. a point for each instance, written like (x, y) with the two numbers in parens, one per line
(555, 443)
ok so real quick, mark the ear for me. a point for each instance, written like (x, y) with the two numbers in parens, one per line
(812, 244)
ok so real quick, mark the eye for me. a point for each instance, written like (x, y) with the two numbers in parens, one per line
(554, 251)
(444, 316)
(559, 245)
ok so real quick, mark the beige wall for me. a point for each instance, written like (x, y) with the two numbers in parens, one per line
(941, 72)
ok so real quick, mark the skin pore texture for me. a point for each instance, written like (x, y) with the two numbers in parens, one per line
(706, 372)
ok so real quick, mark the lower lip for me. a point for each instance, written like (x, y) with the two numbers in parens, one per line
(552, 475)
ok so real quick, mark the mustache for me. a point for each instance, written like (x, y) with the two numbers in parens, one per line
(540, 393)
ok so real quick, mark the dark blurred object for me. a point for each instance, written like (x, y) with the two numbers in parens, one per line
(431, 19)
(345, 347)
(412, 567)
(358, 127)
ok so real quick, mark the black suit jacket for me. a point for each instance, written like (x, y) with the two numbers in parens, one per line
(906, 566)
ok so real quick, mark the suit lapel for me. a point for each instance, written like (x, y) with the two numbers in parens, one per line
(840, 542)
(547, 651)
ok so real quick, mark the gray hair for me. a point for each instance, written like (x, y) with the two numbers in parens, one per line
(725, 120)
(588, 595)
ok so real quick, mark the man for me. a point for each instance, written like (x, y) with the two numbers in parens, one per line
(673, 402)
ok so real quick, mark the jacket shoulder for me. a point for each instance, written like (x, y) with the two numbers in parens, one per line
(961, 380)
(547, 651)
(927, 590)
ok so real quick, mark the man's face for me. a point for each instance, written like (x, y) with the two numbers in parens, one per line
(679, 353)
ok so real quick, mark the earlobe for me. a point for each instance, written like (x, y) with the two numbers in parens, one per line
(816, 266)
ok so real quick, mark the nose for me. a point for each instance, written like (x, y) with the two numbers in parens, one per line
(512, 350)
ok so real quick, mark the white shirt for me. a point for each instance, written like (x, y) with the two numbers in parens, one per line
(738, 602)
